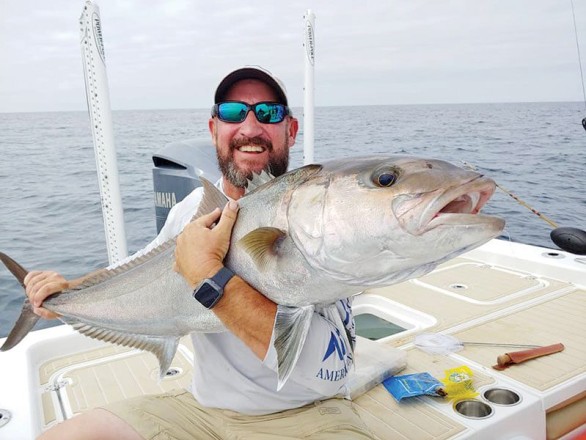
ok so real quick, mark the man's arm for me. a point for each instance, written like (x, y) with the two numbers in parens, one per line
(325, 358)
(243, 310)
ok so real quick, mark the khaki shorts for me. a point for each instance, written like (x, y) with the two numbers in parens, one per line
(177, 415)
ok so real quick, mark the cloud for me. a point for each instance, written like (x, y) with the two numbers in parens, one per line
(171, 53)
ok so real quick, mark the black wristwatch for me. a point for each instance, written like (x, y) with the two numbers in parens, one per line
(210, 290)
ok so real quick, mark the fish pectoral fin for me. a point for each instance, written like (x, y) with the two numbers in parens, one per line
(163, 348)
(291, 328)
(262, 244)
(24, 324)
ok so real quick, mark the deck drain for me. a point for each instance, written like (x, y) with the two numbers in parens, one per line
(458, 286)
(555, 255)
(172, 372)
(4, 417)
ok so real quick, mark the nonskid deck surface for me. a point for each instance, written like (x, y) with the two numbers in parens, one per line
(537, 311)
(473, 301)
(559, 319)
(409, 419)
(462, 293)
(73, 384)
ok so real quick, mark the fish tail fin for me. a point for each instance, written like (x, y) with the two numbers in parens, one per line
(291, 328)
(24, 324)
(16, 269)
(27, 319)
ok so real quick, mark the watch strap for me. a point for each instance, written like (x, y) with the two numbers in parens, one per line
(210, 290)
(222, 277)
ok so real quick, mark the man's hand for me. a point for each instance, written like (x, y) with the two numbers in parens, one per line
(200, 254)
(201, 250)
(40, 285)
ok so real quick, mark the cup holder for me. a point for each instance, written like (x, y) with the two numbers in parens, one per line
(502, 396)
(473, 409)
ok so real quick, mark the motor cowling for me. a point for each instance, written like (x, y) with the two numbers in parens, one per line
(176, 172)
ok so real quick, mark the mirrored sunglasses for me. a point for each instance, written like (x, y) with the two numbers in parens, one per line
(236, 111)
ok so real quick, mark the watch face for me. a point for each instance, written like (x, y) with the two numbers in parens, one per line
(208, 293)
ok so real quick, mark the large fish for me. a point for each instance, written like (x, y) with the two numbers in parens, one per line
(305, 239)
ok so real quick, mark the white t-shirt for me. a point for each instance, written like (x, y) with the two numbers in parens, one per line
(228, 375)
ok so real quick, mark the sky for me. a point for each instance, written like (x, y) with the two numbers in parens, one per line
(165, 54)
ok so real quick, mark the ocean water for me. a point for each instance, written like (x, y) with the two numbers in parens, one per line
(50, 215)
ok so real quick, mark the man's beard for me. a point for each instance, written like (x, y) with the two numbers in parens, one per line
(277, 164)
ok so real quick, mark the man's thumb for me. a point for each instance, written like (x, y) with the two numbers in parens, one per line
(229, 215)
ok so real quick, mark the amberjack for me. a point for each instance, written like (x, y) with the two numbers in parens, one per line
(306, 239)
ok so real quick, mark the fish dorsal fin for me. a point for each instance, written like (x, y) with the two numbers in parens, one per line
(212, 198)
(163, 348)
(262, 244)
(258, 180)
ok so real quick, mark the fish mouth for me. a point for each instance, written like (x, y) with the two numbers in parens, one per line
(459, 205)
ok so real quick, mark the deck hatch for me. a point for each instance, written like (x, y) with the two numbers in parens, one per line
(374, 327)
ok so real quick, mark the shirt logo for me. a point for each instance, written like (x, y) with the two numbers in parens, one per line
(347, 308)
(336, 345)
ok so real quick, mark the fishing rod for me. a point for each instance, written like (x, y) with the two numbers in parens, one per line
(569, 239)
(579, 60)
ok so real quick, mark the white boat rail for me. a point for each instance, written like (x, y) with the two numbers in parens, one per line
(98, 102)
(308, 89)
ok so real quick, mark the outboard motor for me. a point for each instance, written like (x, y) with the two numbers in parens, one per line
(176, 173)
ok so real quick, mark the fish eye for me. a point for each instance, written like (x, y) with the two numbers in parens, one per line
(386, 179)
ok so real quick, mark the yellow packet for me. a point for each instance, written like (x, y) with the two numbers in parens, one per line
(458, 383)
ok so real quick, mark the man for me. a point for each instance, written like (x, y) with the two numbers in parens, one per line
(234, 392)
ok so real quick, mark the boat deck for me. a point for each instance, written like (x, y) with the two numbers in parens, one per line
(473, 300)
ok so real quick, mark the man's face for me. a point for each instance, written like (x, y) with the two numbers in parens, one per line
(251, 146)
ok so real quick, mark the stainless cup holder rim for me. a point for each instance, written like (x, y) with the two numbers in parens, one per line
(474, 402)
(505, 390)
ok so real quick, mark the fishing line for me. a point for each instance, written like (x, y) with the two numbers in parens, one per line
(522, 203)
(579, 60)
(569, 239)
(516, 198)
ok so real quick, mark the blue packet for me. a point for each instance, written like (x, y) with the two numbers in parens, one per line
(411, 385)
